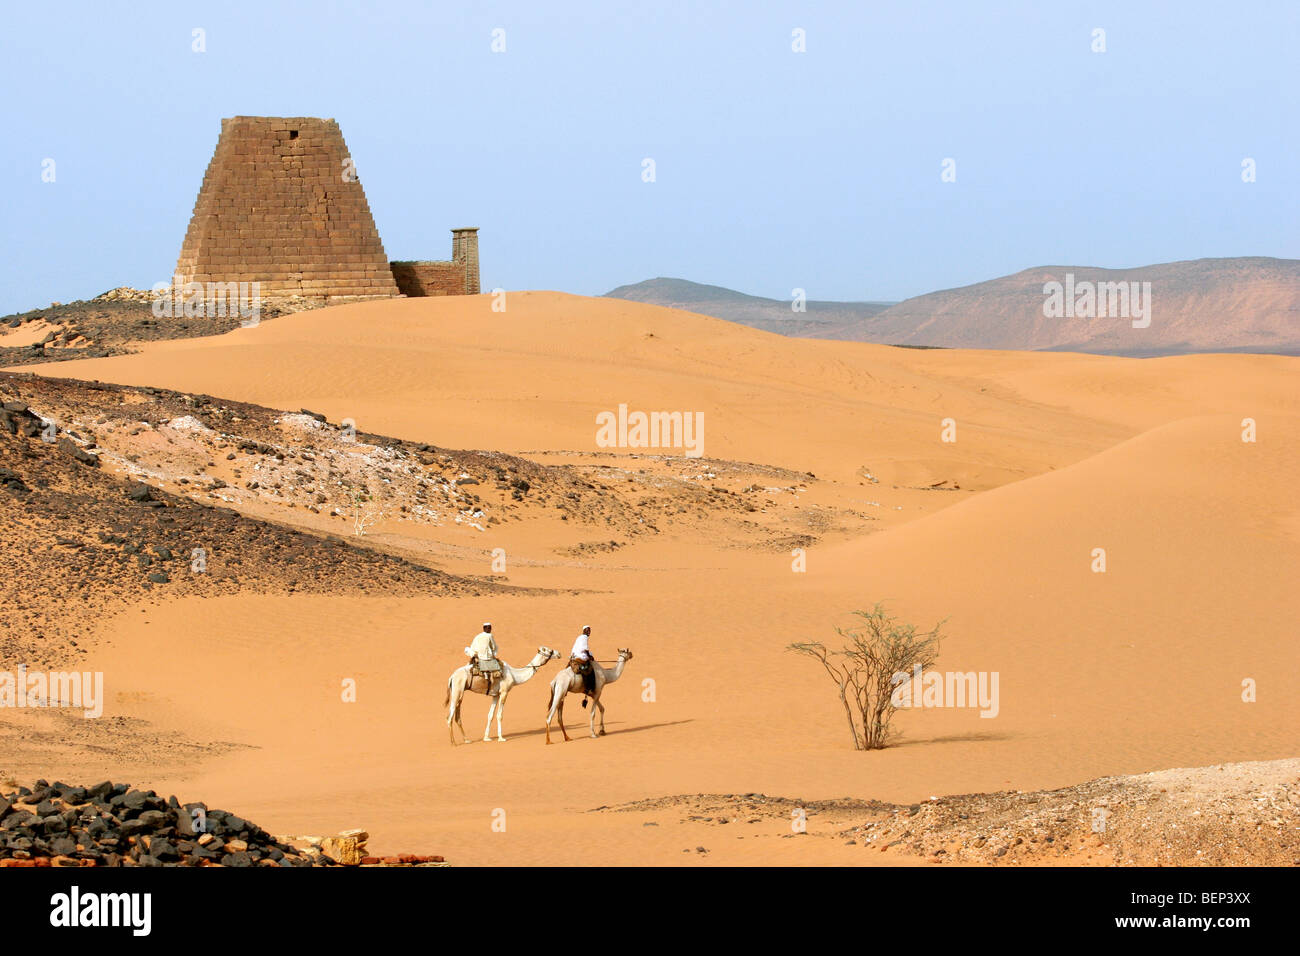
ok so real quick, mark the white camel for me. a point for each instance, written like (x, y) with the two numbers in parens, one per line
(569, 680)
(462, 680)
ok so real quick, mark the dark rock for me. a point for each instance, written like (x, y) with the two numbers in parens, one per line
(100, 790)
(17, 819)
(11, 480)
(63, 846)
(69, 447)
(164, 850)
(138, 491)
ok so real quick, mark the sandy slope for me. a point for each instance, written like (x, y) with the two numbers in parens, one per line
(1136, 669)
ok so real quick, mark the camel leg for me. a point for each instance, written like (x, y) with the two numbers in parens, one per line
(602, 716)
(460, 714)
(451, 717)
(550, 713)
(460, 722)
(455, 696)
(595, 702)
(492, 706)
(559, 716)
(557, 710)
(501, 709)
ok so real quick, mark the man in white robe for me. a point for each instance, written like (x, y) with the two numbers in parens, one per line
(582, 652)
(482, 651)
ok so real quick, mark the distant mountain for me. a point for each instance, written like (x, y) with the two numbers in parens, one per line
(1203, 305)
(821, 320)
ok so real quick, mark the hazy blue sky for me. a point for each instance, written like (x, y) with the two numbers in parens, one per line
(775, 169)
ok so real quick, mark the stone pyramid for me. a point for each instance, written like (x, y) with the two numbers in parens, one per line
(280, 205)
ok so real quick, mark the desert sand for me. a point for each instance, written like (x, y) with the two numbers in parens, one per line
(1137, 669)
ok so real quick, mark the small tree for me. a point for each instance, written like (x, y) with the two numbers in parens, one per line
(866, 666)
(366, 512)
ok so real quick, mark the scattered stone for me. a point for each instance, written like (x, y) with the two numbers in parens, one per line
(348, 848)
(138, 491)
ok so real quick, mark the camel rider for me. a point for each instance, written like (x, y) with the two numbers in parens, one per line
(482, 653)
(580, 660)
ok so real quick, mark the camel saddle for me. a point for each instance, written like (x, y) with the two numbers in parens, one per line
(583, 669)
(489, 670)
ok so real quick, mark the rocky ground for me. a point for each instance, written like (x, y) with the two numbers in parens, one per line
(303, 470)
(110, 324)
(116, 825)
(81, 541)
(1243, 814)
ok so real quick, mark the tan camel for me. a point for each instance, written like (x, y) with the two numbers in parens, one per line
(568, 680)
(461, 681)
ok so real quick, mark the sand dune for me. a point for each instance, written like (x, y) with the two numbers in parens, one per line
(1136, 669)
(454, 372)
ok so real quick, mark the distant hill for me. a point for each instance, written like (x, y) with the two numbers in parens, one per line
(1203, 305)
(821, 320)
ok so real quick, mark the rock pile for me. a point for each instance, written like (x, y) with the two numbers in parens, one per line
(116, 825)
(124, 293)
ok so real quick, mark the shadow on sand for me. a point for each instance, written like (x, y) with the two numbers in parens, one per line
(612, 728)
(951, 739)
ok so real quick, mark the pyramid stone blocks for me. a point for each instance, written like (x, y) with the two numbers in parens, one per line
(281, 205)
